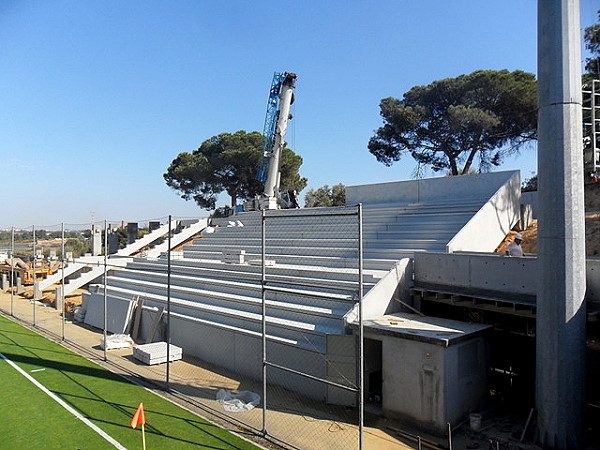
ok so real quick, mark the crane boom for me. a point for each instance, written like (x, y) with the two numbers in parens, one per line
(281, 96)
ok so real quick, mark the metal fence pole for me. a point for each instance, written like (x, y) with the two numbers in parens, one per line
(62, 281)
(12, 270)
(105, 286)
(169, 304)
(264, 320)
(361, 344)
(33, 263)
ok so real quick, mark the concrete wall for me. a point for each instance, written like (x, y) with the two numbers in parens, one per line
(429, 189)
(530, 198)
(380, 299)
(492, 272)
(489, 272)
(488, 227)
(592, 273)
(429, 385)
(241, 353)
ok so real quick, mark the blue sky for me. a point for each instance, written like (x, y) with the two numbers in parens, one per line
(98, 97)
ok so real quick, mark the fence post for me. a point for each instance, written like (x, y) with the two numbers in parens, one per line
(361, 345)
(34, 280)
(62, 278)
(264, 319)
(105, 286)
(12, 270)
(168, 305)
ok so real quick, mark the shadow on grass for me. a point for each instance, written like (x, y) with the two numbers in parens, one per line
(210, 430)
(65, 367)
(201, 425)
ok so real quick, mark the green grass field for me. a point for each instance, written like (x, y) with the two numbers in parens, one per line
(31, 419)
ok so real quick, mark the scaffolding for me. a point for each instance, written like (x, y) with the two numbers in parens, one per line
(591, 128)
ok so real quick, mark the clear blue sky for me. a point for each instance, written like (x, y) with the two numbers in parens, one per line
(98, 97)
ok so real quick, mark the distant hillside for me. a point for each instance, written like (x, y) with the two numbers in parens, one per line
(592, 226)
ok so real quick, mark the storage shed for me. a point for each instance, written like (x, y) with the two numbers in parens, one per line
(425, 370)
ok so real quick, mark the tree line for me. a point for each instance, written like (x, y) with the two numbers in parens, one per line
(27, 235)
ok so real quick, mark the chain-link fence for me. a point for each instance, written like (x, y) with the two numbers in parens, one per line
(246, 319)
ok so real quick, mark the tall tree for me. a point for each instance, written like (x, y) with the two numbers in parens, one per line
(592, 43)
(326, 196)
(451, 123)
(228, 163)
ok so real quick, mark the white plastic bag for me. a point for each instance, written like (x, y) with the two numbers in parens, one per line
(242, 401)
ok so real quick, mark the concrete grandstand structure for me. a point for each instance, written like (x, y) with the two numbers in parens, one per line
(312, 264)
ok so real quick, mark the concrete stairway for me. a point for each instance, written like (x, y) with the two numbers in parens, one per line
(144, 241)
(86, 270)
(179, 237)
(70, 269)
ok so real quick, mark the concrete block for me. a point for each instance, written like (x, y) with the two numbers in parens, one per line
(19, 286)
(4, 282)
(234, 256)
(259, 262)
(156, 353)
(177, 254)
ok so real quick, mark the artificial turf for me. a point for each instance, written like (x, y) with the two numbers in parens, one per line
(31, 419)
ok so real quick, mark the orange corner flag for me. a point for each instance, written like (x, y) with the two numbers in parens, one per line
(138, 417)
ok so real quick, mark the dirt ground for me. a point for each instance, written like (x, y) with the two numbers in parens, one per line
(592, 226)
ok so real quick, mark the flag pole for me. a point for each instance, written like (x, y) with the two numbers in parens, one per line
(139, 418)
(143, 437)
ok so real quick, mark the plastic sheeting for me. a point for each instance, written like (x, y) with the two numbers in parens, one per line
(240, 402)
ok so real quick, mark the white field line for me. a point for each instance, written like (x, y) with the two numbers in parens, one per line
(62, 403)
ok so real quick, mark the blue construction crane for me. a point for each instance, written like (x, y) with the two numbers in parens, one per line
(281, 96)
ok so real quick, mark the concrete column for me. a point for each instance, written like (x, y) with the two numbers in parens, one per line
(560, 337)
(113, 242)
(96, 240)
(19, 286)
(132, 232)
(4, 282)
(60, 298)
